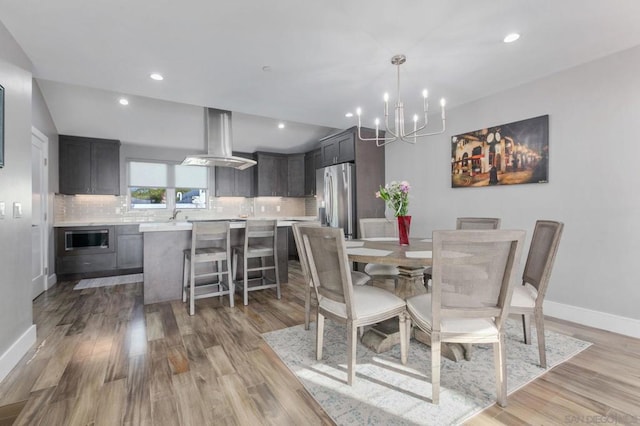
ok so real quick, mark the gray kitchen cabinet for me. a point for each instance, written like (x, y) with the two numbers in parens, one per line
(271, 175)
(129, 247)
(85, 249)
(89, 165)
(338, 148)
(296, 175)
(312, 162)
(230, 182)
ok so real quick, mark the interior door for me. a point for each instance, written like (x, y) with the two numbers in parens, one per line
(38, 214)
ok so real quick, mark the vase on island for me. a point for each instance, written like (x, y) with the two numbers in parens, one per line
(404, 224)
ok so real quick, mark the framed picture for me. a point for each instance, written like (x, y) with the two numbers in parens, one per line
(1, 126)
(508, 154)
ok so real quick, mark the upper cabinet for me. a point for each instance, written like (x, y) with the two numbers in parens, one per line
(89, 165)
(339, 148)
(230, 182)
(271, 175)
(296, 175)
(312, 162)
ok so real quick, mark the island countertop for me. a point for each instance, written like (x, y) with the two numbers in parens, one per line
(151, 221)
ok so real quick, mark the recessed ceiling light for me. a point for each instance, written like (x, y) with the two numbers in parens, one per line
(156, 76)
(123, 101)
(511, 37)
(281, 126)
(349, 115)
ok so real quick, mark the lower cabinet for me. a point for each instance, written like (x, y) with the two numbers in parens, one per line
(129, 247)
(92, 251)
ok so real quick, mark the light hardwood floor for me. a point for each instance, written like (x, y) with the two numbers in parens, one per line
(102, 357)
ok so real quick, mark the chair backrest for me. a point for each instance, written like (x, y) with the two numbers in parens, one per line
(378, 227)
(329, 265)
(477, 223)
(207, 234)
(472, 273)
(263, 230)
(302, 254)
(542, 255)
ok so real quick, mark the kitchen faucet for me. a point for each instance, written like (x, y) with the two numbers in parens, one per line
(174, 216)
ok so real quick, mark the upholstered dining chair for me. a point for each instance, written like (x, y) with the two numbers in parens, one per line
(358, 278)
(528, 298)
(470, 298)
(340, 300)
(260, 242)
(210, 244)
(477, 223)
(379, 228)
(468, 223)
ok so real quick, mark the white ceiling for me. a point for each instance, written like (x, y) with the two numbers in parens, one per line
(326, 57)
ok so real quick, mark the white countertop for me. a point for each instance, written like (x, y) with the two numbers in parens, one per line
(178, 224)
(186, 226)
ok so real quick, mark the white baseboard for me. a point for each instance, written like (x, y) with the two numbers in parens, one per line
(12, 356)
(51, 280)
(602, 320)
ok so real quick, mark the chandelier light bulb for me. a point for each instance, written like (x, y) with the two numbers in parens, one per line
(415, 118)
(358, 111)
(442, 102)
(386, 97)
(425, 93)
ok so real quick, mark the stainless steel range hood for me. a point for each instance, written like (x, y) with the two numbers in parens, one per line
(219, 143)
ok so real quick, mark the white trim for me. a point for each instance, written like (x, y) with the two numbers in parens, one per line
(602, 320)
(12, 356)
(37, 289)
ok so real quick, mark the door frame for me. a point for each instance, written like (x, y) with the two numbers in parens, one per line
(45, 218)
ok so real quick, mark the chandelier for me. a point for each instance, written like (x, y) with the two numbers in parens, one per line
(398, 131)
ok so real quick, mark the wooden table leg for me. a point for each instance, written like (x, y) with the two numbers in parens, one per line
(383, 336)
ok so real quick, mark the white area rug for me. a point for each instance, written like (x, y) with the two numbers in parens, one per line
(109, 281)
(386, 392)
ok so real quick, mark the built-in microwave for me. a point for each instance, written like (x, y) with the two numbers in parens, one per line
(89, 240)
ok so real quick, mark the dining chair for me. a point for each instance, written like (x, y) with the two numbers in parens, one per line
(468, 223)
(210, 243)
(528, 298)
(471, 295)
(477, 223)
(357, 278)
(340, 300)
(260, 242)
(379, 228)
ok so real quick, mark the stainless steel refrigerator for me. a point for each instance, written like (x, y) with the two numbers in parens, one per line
(335, 194)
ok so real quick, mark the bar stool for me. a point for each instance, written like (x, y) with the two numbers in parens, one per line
(260, 241)
(210, 243)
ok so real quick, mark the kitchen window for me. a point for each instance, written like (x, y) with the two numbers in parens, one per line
(159, 185)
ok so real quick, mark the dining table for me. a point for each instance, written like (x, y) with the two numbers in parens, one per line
(411, 261)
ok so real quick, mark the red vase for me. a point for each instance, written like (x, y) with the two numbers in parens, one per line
(404, 224)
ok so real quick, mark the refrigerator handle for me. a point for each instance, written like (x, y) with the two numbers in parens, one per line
(329, 196)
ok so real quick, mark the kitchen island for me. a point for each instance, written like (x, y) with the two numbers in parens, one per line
(163, 256)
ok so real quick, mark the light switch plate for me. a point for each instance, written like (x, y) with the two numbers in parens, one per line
(17, 210)
(2, 209)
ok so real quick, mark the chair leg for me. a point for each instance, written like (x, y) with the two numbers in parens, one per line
(500, 359)
(232, 286)
(307, 307)
(245, 280)
(185, 278)
(352, 340)
(319, 335)
(404, 324)
(526, 328)
(539, 318)
(277, 272)
(192, 288)
(435, 368)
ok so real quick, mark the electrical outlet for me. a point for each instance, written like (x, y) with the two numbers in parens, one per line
(2, 209)
(277, 208)
(117, 210)
(262, 209)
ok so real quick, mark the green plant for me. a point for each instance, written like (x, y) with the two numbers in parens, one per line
(396, 195)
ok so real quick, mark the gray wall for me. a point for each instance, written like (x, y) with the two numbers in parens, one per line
(593, 178)
(15, 186)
